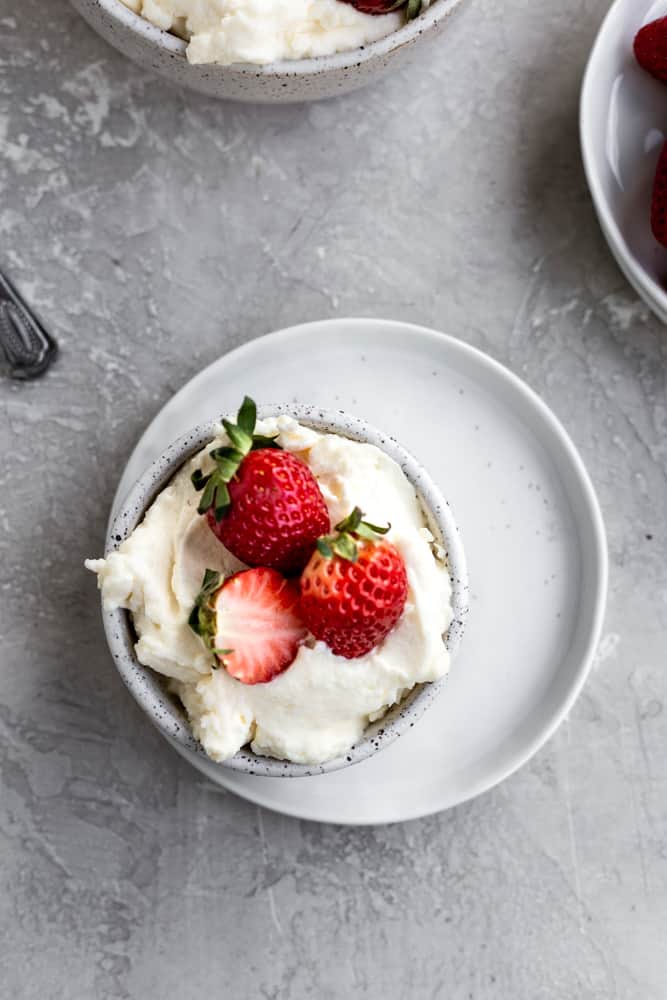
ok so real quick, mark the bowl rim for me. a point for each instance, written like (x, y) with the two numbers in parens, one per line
(352, 58)
(145, 685)
(644, 284)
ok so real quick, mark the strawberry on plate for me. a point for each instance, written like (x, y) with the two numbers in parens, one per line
(354, 588)
(650, 47)
(263, 503)
(250, 622)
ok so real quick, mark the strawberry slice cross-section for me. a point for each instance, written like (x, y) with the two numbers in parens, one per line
(251, 623)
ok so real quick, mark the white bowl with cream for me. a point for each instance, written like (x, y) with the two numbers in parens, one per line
(319, 708)
(308, 69)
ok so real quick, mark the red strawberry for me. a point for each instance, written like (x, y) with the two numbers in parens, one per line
(384, 6)
(264, 504)
(251, 622)
(659, 200)
(277, 512)
(650, 47)
(354, 588)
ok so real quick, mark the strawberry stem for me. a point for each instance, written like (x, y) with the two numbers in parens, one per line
(202, 616)
(228, 459)
(348, 532)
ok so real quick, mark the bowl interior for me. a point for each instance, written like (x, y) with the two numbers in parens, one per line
(148, 689)
(623, 127)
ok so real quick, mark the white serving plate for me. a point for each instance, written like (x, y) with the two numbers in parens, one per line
(531, 528)
(623, 124)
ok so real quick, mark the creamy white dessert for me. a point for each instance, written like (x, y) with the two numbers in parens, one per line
(263, 31)
(322, 703)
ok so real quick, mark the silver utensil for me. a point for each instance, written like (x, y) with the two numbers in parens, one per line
(26, 349)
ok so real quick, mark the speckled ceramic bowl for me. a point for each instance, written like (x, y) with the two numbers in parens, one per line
(278, 83)
(147, 687)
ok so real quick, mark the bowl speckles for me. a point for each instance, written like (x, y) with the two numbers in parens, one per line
(279, 83)
(146, 686)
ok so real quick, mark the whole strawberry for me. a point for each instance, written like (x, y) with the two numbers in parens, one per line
(354, 588)
(659, 200)
(250, 622)
(412, 7)
(264, 504)
(650, 48)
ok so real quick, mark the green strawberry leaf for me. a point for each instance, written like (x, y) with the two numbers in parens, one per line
(193, 620)
(222, 501)
(202, 617)
(370, 531)
(247, 416)
(324, 548)
(376, 528)
(210, 583)
(207, 496)
(344, 547)
(365, 531)
(199, 480)
(228, 460)
(349, 531)
(240, 439)
(351, 522)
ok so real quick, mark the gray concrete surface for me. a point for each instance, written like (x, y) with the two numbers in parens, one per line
(155, 230)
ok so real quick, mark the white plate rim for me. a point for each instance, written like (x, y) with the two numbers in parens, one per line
(581, 479)
(645, 286)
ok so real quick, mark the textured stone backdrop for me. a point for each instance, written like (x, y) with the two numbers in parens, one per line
(154, 230)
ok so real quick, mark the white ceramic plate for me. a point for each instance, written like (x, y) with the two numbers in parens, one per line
(531, 528)
(623, 125)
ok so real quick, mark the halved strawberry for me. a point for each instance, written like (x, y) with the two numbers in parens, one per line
(264, 504)
(251, 622)
(354, 588)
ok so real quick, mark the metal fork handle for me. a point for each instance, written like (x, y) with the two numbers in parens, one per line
(26, 348)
